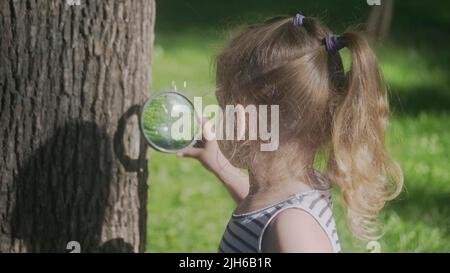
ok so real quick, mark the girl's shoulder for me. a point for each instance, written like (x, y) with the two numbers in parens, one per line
(314, 205)
(295, 230)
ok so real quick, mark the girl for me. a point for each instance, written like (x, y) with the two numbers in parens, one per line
(326, 115)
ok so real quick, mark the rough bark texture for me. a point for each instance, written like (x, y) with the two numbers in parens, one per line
(72, 161)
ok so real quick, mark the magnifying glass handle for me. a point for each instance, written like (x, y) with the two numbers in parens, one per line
(200, 144)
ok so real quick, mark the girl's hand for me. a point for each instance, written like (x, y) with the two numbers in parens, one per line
(209, 154)
(236, 182)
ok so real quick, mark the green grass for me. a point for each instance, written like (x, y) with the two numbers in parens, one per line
(188, 207)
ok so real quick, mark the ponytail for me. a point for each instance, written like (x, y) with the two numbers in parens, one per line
(360, 163)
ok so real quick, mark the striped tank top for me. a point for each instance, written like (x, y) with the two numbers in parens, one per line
(244, 232)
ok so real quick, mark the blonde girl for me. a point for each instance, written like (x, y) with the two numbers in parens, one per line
(326, 115)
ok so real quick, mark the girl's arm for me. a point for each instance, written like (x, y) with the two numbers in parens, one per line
(235, 181)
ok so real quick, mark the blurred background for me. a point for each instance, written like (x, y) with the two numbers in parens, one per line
(189, 208)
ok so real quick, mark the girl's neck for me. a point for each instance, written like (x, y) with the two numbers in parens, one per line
(272, 180)
(264, 183)
(265, 191)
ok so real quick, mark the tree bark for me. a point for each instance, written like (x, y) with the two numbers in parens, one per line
(380, 19)
(72, 162)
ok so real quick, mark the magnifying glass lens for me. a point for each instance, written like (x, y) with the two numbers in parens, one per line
(168, 122)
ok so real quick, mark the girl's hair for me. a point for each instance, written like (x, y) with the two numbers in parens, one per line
(285, 63)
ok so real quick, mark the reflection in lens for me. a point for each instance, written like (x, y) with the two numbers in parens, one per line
(169, 122)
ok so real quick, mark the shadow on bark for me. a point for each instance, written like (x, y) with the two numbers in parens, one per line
(112, 246)
(62, 191)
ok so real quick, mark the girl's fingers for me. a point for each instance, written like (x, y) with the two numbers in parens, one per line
(191, 152)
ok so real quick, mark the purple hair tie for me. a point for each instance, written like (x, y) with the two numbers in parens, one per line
(334, 43)
(298, 20)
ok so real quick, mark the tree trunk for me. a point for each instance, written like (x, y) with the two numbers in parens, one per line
(380, 19)
(72, 161)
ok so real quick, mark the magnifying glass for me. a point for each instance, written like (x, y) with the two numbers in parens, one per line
(169, 122)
